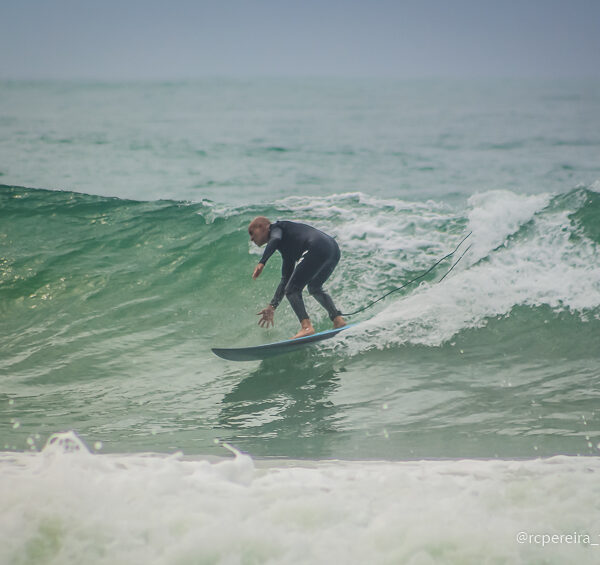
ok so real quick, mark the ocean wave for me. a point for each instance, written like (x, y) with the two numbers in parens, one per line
(154, 258)
(109, 309)
(530, 251)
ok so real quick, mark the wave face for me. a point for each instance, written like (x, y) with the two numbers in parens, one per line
(109, 309)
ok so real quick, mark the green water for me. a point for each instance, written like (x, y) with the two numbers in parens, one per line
(110, 308)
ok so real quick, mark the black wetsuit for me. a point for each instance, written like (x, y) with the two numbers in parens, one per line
(309, 257)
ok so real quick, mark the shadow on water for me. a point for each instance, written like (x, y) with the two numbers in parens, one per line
(284, 400)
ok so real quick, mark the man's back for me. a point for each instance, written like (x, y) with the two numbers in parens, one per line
(296, 238)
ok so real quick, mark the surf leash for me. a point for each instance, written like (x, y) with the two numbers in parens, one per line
(419, 277)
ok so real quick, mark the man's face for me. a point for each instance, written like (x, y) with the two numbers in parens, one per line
(259, 234)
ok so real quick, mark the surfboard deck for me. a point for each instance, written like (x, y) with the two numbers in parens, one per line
(267, 350)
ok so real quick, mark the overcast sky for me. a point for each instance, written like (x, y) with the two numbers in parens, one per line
(182, 39)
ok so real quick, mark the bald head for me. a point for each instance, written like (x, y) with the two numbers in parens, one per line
(259, 230)
(259, 221)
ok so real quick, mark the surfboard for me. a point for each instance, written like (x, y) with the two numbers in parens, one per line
(267, 350)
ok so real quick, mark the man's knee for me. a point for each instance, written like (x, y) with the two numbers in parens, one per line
(315, 289)
(291, 290)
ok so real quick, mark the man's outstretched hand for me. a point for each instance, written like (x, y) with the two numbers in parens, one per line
(258, 270)
(267, 316)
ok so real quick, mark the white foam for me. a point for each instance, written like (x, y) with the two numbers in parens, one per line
(366, 223)
(545, 266)
(497, 214)
(75, 507)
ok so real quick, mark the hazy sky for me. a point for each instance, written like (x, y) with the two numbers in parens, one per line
(150, 39)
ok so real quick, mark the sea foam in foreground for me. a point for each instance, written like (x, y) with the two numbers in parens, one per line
(67, 505)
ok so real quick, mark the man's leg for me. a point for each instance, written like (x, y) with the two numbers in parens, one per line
(297, 303)
(315, 288)
(324, 300)
(305, 269)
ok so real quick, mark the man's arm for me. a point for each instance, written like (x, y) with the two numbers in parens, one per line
(287, 268)
(275, 236)
(267, 314)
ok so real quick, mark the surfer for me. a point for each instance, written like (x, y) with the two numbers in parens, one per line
(309, 257)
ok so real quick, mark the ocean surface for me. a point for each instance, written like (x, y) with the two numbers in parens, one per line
(459, 414)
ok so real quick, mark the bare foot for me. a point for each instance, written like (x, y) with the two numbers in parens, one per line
(339, 322)
(304, 333)
(307, 329)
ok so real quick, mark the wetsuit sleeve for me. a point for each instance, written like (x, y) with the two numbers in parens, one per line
(274, 240)
(287, 268)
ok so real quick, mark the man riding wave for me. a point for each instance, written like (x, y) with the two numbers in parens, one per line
(309, 257)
